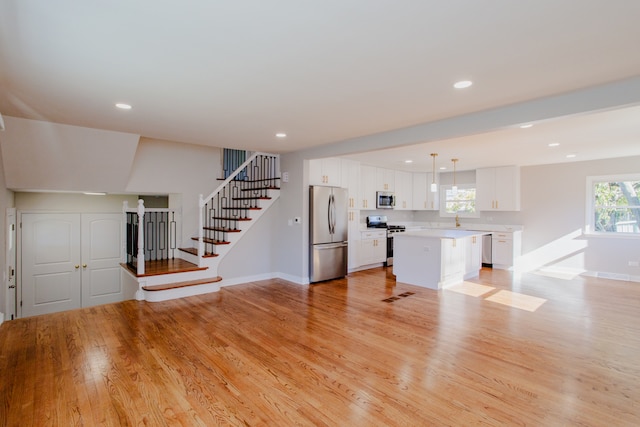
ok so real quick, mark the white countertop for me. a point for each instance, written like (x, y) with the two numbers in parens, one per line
(414, 226)
(465, 226)
(439, 233)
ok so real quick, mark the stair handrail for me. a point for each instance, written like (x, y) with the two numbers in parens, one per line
(203, 201)
(235, 173)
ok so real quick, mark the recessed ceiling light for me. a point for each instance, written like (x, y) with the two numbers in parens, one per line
(554, 144)
(442, 168)
(462, 84)
(123, 106)
(527, 126)
(91, 193)
(281, 135)
(408, 161)
(570, 156)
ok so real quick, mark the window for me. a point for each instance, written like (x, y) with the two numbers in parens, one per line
(463, 203)
(613, 205)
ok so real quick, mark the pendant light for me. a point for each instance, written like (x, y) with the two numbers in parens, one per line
(434, 186)
(454, 189)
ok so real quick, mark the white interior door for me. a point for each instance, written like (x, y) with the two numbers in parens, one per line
(101, 256)
(50, 263)
(10, 249)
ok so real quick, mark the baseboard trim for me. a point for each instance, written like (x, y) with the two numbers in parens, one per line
(612, 276)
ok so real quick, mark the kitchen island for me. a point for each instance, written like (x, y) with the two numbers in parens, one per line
(437, 258)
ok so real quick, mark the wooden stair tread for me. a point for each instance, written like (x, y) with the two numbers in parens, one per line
(250, 180)
(177, 285)
(223, 229)
(165, 266)
(212, 241)
(252, 198)
(194, 251)
(260, 188)
(227, 218)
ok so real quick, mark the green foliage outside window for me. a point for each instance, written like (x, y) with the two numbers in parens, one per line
(617, 206)
(464, 202)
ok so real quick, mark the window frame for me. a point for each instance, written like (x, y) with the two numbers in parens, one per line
(589, 227)
(443, 201)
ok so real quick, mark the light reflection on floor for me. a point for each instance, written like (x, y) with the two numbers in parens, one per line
(557, 274)
(471, 289)
(516, 300)
(511, 299)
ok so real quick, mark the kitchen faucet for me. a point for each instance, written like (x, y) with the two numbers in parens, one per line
(457, 221)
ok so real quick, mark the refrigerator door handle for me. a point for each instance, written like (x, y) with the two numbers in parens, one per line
(331, 215)
(327, 246)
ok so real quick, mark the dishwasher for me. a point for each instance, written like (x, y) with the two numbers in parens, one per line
(486, 251)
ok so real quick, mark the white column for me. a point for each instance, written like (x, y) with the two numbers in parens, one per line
(140, 237)
(200, 231)
(125, 208)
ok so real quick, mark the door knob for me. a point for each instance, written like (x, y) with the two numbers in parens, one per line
(84, 265)
(77, 266)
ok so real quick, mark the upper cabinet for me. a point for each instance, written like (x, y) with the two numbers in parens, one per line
(385, 179)
(403, 183)
(423, 198)
(351, 180)
(325, 172)
(498, 189)
(367, 187)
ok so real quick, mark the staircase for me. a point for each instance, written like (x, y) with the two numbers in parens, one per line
(225, 216)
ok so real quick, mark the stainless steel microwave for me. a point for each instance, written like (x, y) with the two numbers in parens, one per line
(385, 200)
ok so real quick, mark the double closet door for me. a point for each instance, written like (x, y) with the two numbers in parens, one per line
(69, 261)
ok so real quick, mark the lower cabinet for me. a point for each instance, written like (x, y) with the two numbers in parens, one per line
(505, 249)
(473, 257)
(452, 261)
(373, 247)
(354, 239)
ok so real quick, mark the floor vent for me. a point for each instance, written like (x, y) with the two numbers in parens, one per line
(402, 295)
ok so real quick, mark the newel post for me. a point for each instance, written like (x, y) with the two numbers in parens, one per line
(200, 230)
(140, 255)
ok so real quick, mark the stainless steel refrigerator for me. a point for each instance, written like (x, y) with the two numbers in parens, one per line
(328, 233)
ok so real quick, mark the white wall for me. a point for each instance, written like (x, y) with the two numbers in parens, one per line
(256, 252)
(72, 202)
(6, 201)
(291, 243)
(554, 215)
(41, 155)
(182, 170)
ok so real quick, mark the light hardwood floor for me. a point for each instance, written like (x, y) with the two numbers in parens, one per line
(273, 353)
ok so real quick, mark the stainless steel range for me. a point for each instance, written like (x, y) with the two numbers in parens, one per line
(391, 230)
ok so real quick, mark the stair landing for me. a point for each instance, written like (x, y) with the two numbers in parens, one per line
(164, 266)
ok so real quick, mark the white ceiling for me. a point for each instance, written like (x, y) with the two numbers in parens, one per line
(233, 73)
(602, 135)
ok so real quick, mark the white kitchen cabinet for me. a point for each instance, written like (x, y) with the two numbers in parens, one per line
(367, 187)
(325, 172)
(498, 189)
(353, 217)
(350, 172)
(403, 182)
(385, 179)
(423, 198)
(505, 249)
(473, 258)
(453, 261)
(373, 247)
